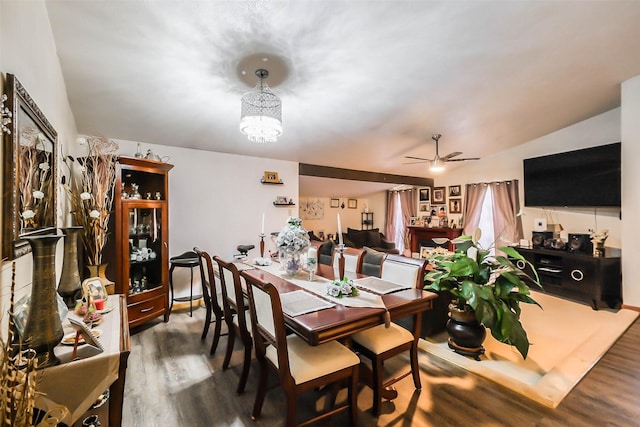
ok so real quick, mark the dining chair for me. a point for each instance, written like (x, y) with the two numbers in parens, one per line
(235, 315)
(381, 343)
(212, 300)
(301, 367)
(352, 259)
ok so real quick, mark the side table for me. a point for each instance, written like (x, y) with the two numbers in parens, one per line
(189, 260)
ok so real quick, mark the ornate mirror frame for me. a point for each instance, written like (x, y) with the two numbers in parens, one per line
(29, 172)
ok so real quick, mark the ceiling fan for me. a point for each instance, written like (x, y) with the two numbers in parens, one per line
(437, 163)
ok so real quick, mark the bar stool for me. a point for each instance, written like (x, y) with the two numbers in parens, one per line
(188, 259)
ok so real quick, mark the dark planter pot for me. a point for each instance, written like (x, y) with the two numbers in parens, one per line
(466, 335)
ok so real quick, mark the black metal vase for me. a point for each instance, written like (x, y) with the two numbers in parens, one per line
(466, 335)
(70, 285)
(43, 330)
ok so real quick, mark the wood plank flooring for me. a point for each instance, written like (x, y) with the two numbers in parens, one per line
(172, 381)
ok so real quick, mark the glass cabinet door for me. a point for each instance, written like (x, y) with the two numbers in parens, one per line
(145, 248)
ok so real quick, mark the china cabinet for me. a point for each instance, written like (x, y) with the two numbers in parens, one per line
(140, 254)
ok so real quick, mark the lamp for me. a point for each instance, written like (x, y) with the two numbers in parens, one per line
(261, 115)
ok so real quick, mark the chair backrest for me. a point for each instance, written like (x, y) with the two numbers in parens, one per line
(267, 320)
(403, 270)
(231, 290)
(371, 262)
(208, 279)
(352, 259)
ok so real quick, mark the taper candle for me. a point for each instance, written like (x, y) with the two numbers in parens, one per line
(339, 231)
(262, 229)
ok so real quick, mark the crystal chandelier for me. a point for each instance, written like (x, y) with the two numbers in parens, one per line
(261, 116)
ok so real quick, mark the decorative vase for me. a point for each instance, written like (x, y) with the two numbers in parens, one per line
(466, 334)
(70, 283)
(292, 262)
(43, 330)
(99, 272)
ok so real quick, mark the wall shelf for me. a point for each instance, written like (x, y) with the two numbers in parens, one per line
(271, 183)
(283, 204)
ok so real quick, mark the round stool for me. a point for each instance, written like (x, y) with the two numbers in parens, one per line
(188, 259)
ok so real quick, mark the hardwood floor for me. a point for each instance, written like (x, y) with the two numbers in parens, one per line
(171, 380)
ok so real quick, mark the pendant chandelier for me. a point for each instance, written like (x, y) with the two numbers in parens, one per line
(261, 115)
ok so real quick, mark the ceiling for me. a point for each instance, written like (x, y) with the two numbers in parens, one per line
(365, 82)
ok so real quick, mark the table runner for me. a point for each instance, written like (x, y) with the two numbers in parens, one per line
(319, 287)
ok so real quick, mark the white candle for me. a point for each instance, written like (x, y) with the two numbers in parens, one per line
(262, 230)
(312, 253)
(339, 231)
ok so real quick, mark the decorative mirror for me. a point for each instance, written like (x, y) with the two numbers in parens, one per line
(29, 172)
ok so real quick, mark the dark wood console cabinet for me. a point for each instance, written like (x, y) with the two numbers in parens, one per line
(425, 235)
(581, 277)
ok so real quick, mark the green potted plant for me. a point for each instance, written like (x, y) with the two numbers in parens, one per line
(487, 291)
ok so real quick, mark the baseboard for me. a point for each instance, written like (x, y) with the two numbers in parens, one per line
(631, 307)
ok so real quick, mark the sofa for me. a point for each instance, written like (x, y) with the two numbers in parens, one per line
(373, 239)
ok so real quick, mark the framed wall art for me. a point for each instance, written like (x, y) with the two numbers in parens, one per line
(29, 172)
(455, 206)
(271, 177)
(425, 194)
(335, 203)
(454, 191)
(352, 203)
(438, 195)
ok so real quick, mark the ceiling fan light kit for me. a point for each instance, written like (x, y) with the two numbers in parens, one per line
(261, 114)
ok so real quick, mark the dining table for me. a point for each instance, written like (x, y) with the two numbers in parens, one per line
(338, 321)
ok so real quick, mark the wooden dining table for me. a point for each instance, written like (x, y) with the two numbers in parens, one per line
(340, 321)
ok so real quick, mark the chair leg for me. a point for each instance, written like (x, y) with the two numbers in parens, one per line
(261, 391)
(377, 385)
(231, 339)
(216, 334)
(353, 396)
(415, 368)
(245, 367)
(207, 322)
(291, 410)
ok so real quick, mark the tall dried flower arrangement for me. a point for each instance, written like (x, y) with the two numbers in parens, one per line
(91, 193)
(18, 379)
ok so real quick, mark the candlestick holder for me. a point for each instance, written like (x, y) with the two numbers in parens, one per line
(262, 245)
(341, 248)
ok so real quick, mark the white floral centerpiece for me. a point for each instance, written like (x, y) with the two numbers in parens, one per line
(292, 240)
(342, 288)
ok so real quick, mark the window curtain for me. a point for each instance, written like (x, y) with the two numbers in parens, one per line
(409, 209)
(474, 196)
(401, 206)
(507, 223)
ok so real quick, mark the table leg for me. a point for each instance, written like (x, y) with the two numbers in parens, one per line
(366, 377)
(191, 294)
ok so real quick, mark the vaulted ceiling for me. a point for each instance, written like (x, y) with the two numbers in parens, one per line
(366, 82)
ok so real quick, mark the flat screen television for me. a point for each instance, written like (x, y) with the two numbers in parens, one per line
(582, 178)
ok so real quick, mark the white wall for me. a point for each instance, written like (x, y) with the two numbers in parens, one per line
(630, 129)
(216, 200)
(27, 50)
(599, 130)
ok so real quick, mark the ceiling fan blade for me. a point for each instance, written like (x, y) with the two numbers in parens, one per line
(462, 160)
(415, 163)
(450, 155)
(417, 158)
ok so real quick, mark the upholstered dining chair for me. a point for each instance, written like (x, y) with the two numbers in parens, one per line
(381, 343)
(352, 259)
(212, 300)
(236, 317)
(301, 367)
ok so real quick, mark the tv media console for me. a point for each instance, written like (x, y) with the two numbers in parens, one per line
(578, 276)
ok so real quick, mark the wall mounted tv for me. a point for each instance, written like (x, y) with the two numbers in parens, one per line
(582, 178)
